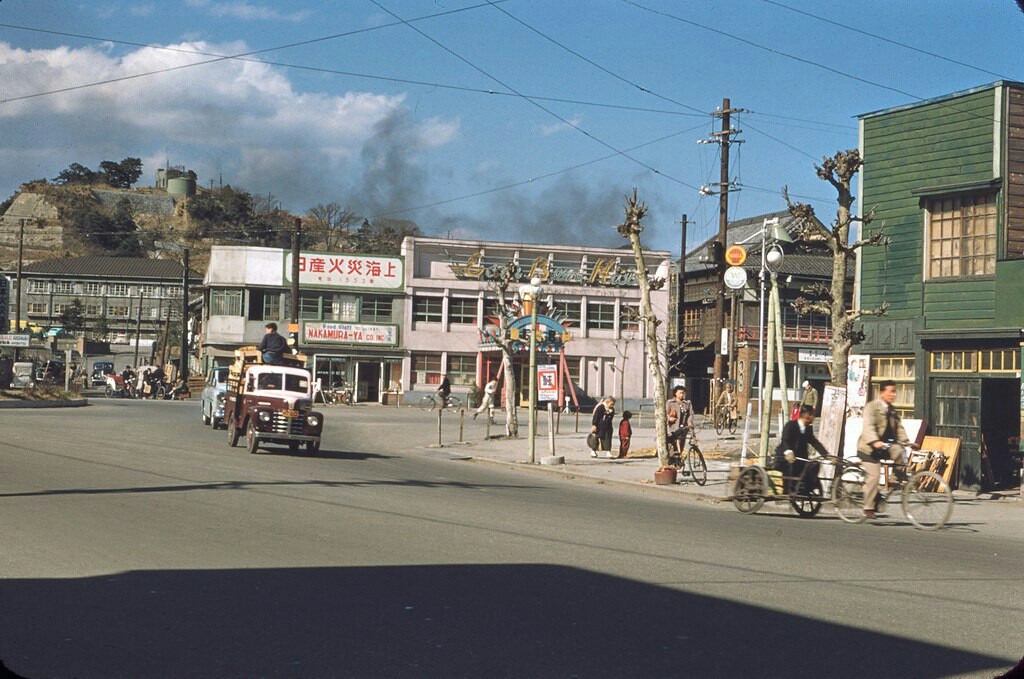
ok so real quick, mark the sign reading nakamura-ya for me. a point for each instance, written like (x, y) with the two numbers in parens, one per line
(343, 270)
(360, 334)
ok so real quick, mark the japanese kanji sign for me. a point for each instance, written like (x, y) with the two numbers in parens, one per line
(547, 383)
(362, 334)
(342, 270)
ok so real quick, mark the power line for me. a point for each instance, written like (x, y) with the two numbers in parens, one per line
(225, 57)
(888, 40)
(318, 69)
(594, 63)
(801, 120)
(533, 102)
(779, 141)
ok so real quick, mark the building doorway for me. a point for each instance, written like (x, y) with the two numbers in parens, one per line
(368, 381)
(1000, 427)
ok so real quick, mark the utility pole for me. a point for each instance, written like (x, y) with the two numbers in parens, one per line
(183, 358)
(17, 293)
(138, 328)
(293, 327)
(681, 285)
(724, 138)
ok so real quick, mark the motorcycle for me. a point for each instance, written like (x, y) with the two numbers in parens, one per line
(118, 387)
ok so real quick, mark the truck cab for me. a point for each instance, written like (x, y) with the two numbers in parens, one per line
(271, 404)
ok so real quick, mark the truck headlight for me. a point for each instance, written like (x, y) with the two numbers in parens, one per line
(220, 396)
(313, 420)
(264, 416)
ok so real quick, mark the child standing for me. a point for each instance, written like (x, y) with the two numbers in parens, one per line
(625, 433)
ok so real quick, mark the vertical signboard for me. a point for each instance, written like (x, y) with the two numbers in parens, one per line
(547, 383)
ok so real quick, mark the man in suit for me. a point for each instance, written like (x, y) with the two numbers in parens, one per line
(881, 438)
(792, 453)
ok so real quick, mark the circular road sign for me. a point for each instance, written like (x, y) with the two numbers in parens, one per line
(735, 277)
(735, 255)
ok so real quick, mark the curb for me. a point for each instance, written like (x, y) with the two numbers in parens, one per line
(76, 403)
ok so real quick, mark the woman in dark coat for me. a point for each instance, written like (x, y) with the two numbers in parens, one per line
(604, 415)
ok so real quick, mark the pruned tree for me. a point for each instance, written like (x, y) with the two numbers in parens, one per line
(329, 224)
(499, 285)
(830, 299)
(631, 229)
(621, 346)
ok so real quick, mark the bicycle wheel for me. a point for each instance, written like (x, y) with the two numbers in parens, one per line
(750, 489)
(698, 468)
(427, 404)
(733, 424)
(719, 422)
(927, 501)
(848, 495)
(808, 505)
(453, 404)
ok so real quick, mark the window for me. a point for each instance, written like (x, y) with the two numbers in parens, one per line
(462, 311)
(343, 308)
(156, 313)
(64, 287)
(58, 309)
(225, 302)
(999, 360)
(309, 306)
(954, 361)
(117, 311)
(426, 309)
(37, 307)
(151, 291)
(573, 365)
(39, 287)
(691, 325)
(94, 289)
(898, 369)
(375, 309)
(426, 368)
(462, 369)
(117, 290)
(962, 236)
(600, 315)
(492, 312)
(629, 317)
(264, 305)
(568, 312)
(93, 309)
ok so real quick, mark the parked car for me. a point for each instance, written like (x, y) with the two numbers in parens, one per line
(51, 372)
(23, 375)
(100, 370)
(211, 401)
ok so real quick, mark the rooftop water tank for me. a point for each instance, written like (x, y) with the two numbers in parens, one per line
(181, 186)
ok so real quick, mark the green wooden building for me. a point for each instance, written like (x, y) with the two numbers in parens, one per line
(946, 179)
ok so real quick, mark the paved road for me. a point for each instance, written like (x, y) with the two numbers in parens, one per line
(136, 543)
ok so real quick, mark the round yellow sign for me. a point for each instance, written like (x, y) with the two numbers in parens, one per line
(735, 255)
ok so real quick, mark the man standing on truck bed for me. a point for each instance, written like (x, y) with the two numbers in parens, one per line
(273, 345)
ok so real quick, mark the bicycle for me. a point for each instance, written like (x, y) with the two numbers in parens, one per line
(431, 401)
(725, 418)
(925, 498)
(691, 464)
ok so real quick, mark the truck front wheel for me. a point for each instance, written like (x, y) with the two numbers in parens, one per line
(252, 444)
(232, 433)
(313, 446)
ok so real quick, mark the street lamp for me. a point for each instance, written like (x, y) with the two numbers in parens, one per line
(772, 256)
(532, 292)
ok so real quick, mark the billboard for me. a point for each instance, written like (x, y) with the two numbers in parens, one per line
(351, 334)
(346, 271)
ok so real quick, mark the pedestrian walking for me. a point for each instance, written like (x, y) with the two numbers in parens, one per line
(625, 433)
(601, 424)
(490, 389)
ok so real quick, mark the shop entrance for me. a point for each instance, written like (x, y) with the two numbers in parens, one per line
(368, 381)
(1000, 428)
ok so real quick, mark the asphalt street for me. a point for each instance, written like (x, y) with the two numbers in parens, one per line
(136, 543)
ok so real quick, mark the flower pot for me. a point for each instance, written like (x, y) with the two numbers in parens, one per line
(665, 476)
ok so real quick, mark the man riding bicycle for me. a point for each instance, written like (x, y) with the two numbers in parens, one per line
(882, 438)
(443, 391)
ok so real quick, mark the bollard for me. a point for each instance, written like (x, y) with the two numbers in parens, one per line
(439, 411)
(640, 416)
(551, 428)
(462, 423)
(577, 420)
(487, 435)
(558, 421)
(746, 436)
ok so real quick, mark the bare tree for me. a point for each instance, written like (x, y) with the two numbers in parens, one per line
(622, 349)
(329, 223)
(830, 299)
(631, 229)
(500, 287)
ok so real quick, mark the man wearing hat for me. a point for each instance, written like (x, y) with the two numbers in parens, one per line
(810, 397)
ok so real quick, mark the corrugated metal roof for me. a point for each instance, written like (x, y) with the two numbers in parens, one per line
(109, 267)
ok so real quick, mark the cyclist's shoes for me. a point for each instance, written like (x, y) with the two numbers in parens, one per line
(870, 514)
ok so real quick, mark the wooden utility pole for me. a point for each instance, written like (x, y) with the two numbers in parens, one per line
(724, 138)
(183, 359)
(17, 292)
(138, 328)
(681, 285)
(293, 328)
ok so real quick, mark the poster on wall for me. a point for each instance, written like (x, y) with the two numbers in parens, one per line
(857, 373)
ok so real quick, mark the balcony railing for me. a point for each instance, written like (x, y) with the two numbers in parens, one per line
(790, 333)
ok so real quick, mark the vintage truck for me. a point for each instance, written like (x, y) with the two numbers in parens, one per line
(271, 403)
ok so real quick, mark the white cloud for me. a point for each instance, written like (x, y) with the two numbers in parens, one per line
(242, 9)
(548, 130)
(240, 118)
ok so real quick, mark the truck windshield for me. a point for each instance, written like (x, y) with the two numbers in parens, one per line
(296, 383)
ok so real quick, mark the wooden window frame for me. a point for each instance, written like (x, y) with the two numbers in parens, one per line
(906, 392)
(960, 241)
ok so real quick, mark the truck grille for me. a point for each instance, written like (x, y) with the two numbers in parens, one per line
(289, 425)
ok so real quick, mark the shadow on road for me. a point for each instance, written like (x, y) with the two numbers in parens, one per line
(450, 621)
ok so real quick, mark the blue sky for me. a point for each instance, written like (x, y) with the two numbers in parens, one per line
(382, 146)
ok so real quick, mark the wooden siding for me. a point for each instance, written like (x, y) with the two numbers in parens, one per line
(1014, 242)
(948, 142)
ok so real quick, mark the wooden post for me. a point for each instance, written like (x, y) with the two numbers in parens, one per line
(551, 428)
(577, 419)
(462, 423)
(439, 411)
(487, 433)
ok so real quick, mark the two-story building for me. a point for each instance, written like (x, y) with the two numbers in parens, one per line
(112, 290)
(806, 337)
(946, 179)
(452, 301)
(349, 312)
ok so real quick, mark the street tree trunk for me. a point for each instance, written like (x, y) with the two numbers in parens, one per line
(631, 229)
